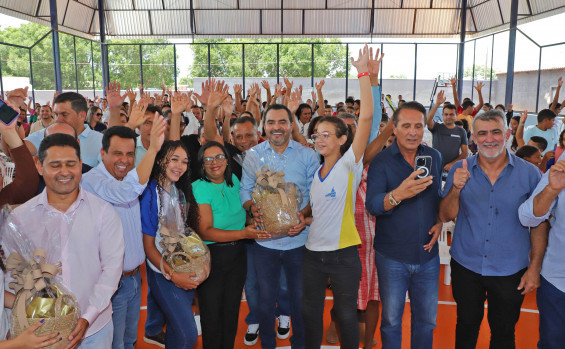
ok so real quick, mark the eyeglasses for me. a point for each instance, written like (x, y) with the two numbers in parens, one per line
(321, 136)
(219, 158)
(98, 114)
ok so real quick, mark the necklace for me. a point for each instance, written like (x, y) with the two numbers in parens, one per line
(220, 190)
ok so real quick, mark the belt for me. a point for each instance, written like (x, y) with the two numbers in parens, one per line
(130, 273)
(232, 243)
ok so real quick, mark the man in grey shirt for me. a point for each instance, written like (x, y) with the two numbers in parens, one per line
(449, 139)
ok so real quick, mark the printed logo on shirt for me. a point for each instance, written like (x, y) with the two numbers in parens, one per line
(331, 194)
(458, 136)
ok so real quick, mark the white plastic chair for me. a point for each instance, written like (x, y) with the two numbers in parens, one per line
(444, 256)
(8, 174)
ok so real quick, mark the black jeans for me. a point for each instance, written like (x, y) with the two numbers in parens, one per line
(219, 297)
(343, 267)
(504, 301)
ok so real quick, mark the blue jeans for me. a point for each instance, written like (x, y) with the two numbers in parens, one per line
(421, 282)
(125, 304)
(101, 339)
(343, 268)
(551, 306)
(176, 305)
(268, 263)
(155, 320)
(252, 291)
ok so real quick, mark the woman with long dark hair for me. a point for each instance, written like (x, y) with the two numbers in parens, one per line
(223, 226)
(172, 291)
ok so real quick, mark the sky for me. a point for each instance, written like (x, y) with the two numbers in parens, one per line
(437, 60)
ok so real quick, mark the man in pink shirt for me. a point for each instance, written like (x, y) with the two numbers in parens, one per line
(81, 231)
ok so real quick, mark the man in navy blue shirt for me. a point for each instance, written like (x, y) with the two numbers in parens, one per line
(490, 247)
(406, 209)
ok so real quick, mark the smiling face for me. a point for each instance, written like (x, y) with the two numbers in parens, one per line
(535, 158)
(214, 169)
(177, 165)
(120, 158)
(278, 127)
(244, 136)
(327, 142)
(409, 130)
(490, 137)
(45, 113)
(61, 169)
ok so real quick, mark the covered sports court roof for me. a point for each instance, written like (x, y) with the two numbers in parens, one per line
(279, 18)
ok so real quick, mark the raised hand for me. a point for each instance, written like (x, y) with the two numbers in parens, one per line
(288, 84)
(114, 95)
(157, 136)
(557, 176)
(179, 102)
(479, 86)
(440, 99)
(237, 89)
(158, 99)
(523, 117)
(16, 97)
(218, 93)
(206, 89)
(374, 65)
(137, 116)
(227, 106)
(131, 95)
(559, 82)
(361, 64)
(453, 81)
(319, 85)
(313, 99)
(461, 176)
(294, 100)
(266, 86)
(278, 90)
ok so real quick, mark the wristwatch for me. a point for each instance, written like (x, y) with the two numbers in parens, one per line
(392, 201)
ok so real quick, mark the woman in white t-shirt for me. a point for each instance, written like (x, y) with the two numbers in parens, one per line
(331, 248)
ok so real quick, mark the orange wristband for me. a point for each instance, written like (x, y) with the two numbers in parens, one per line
(363, 74)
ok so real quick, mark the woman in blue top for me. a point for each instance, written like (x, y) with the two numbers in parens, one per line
(173, 292)
(222, 223)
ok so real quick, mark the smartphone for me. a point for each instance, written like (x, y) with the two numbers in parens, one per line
(423, 162)
(7, 114)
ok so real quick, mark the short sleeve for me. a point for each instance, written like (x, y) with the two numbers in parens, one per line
(201, 191)
(349, 161)
(149, 210)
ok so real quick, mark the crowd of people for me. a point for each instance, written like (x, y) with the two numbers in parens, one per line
(378, 180)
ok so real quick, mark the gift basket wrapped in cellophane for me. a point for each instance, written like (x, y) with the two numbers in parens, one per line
(278, 200)
(40, 293)
(182, 248)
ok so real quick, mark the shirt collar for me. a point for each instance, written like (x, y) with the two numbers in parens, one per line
(86, 132)
(138, 142)
(42, 201)
(291, 144)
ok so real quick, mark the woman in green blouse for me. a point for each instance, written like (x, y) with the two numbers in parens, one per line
(223, 226)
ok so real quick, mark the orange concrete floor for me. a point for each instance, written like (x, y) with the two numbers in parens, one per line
(444, 334)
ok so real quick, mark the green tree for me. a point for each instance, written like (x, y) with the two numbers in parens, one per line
(261, 58)
(481, 72)
(158, 60)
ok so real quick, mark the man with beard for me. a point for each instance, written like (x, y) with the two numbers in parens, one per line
(45, 119)
(490, 247)
(449, 139)
(299, 165)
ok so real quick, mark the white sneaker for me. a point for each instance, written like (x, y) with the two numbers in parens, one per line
(283, 331)
(252, 335)
(198, 326)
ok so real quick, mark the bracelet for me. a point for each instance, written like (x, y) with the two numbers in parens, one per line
(360, 75)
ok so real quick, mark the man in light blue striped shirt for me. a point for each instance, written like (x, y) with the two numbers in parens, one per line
(115, 181)
(299, 165)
